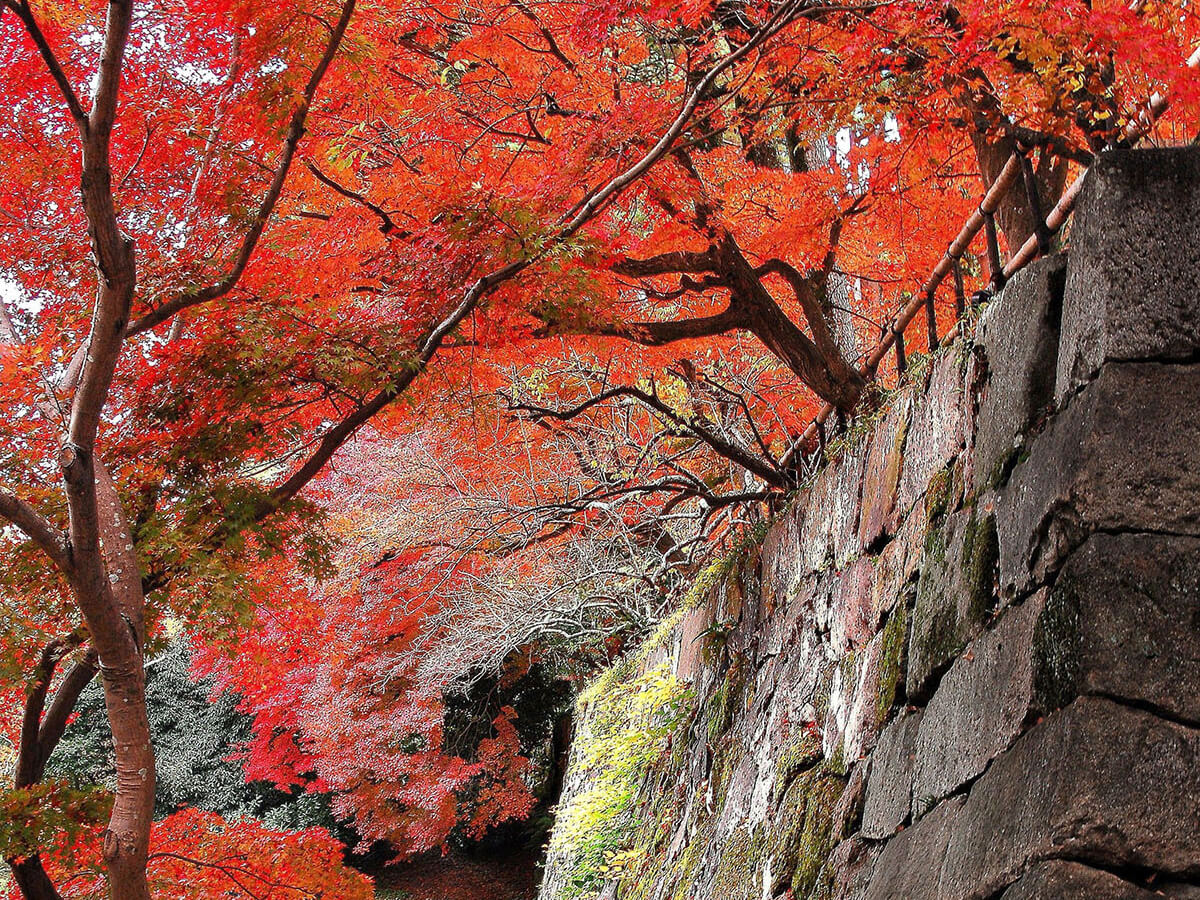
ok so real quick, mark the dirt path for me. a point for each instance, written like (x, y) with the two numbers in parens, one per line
(456, 877)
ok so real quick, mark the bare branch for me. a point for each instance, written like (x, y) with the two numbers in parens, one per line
(386, 225)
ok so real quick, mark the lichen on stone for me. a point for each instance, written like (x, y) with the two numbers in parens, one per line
(739, 871)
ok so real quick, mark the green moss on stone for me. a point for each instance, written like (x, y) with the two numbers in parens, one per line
(937, 494)
(739, 872)
(981, 552)
(723, 701)
(799, 754)
(802, 835)
(817, 839)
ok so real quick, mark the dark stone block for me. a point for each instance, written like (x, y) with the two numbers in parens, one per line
(889, 785)
(937, 430)
(1062, 880)
(1133, 291)
(954, 596)
(1018, 342)
(1096, 782)
(1121, 456)
(1124, 621)
(909, 866)
(980, 707)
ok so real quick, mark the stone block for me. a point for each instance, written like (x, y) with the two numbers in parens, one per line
(909, 866)
(1096, 782)
(954, 595)
(1124, 621)
(1121, 456)
(854, 616)
(937, 431)
(1062, 880)
(691, 643)
(850, 866)
(889, 785)
(881, 478)
(1017, 339)
(854, 718)
(828, 512)
(1133, 292)
(980, 707)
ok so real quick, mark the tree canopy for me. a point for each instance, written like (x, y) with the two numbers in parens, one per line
(390, 348)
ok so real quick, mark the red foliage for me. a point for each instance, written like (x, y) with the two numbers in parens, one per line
(448, 150)
(200, 856)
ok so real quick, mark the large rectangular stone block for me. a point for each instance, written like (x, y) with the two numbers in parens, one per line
(937, 430)
(1124, 621)
(980, 707)
(910, 865)
(1096, 782)
(1121, 456)
(1017, 340)
(1133, 291)
(888, 798)
(881, 478)
(954, 596)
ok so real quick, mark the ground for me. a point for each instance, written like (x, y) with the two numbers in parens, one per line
(455, 877)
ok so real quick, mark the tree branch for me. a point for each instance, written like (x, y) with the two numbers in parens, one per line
(386, 225)
(656, 334)
(763, 468)
(38, 530)
(267, 208)
(677, 262)
(25, 13)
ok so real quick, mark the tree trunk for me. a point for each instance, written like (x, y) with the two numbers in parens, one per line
(127, 840)
(108, 590)
(1014, 217)
(32, 880)
(817, 361)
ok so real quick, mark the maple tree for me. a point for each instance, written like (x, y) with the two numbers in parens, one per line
(196, 855)
(271, 225)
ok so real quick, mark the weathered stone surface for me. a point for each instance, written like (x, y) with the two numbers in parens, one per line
(980, 706)
(1133, 292)
(1018, 342)
(889, 785)
(854, 719)
(850, 864)
(909, 866)
(937, 430)
(1121, 456)
(1124, 621)
(954, 596)
(881, 478)
(690, 659)
(855, 619)
(848, 811)
(1062, 880)
(828, 531)
(1096, 782)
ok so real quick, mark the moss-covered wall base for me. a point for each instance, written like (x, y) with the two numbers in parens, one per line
(965, 662)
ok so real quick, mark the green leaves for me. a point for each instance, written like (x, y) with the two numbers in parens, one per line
(34, 818)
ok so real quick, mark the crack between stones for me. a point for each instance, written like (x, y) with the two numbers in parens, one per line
(1145, 706)
(1145, 877)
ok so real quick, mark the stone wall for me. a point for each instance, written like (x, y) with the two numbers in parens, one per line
(965, 662)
